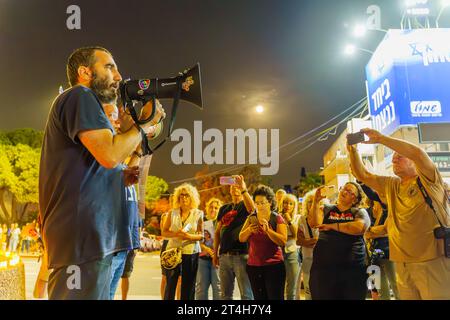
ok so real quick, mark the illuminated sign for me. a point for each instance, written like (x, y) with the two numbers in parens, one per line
(407, 79)
(441, 159)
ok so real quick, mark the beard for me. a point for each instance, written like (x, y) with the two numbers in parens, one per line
(105, 92)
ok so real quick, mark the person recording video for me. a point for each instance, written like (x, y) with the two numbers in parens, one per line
(80, 180)
(417, 209)
(338, 269)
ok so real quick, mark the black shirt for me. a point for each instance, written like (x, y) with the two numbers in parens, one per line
(232, 216)
(82, 203)
(339, 249)
(380, 243)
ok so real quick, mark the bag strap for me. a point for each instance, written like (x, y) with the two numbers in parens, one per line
(428, 199)
(273, 221)
(309, 229)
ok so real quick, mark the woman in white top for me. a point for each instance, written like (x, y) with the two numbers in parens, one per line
(307, 238)
(184, 229)
(288, 210)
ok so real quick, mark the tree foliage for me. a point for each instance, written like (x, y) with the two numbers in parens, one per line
(308, 182)
(154, 188)
(19, 173)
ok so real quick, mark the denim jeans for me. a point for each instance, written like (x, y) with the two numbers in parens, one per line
(232, 266)
(207, 276)
(292, 266)
(117, 266)
(25, 245)
(388, 279)
(305, 270)
(13, 243)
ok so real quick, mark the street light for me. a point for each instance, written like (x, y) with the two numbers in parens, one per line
(360, 30)
(351, 49)
(444, 4)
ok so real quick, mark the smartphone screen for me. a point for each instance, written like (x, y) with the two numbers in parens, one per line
(254, 220)
(227, 181)
(354, 138)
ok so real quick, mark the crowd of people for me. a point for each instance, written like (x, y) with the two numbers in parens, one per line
(269, 243)
(20, 240)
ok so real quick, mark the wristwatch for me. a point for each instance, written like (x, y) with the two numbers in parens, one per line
(244, 191)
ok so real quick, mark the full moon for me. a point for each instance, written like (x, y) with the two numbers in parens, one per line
(259, 109)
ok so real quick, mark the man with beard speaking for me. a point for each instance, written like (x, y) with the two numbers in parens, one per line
(80, 183)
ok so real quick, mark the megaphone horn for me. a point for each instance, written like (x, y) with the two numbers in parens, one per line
(145, 89)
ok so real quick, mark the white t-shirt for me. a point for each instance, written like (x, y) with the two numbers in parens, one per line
(291, 243)
(302, 224)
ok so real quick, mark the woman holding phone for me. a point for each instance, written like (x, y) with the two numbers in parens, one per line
(338, 270)
(266, 234)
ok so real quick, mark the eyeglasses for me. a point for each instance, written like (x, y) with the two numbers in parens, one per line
(261, 203)
(349, 192)
(184, 195)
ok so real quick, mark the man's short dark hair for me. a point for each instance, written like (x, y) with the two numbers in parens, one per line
(81, 57)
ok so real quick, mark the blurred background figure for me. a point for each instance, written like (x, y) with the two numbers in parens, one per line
(307, 238)
(207, 274)
(289, 212)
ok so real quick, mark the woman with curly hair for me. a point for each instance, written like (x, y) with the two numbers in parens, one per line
(338, 270)
(266, 234)
(184, 229)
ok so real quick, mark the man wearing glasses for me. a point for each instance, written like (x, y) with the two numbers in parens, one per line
(422, 269)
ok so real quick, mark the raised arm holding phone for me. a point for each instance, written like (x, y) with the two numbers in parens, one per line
(417, 207)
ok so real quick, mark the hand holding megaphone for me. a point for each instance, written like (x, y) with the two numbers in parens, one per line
(146, 111)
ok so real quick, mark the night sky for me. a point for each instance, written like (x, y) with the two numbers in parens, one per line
(283, 54)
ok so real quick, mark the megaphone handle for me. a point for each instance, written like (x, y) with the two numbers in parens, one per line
(176, 100)
(146, 150)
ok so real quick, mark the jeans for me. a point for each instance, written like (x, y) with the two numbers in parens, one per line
(26, 245)
(206, 276)
(188, 270)
(13, 243)
(291, 263)
(232, 266)
(267, 281)
(117, 266)
(388, 278)
(87, 281)
(306, 270)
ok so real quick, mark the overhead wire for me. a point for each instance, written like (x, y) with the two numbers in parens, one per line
(360, 103)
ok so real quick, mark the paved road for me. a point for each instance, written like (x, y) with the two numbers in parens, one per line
(144, 282)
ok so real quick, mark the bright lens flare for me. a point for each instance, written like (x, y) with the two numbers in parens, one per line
(259, 109)
(350, 49)
(359, 31)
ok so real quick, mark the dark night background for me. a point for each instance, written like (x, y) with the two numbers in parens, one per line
(283, 54)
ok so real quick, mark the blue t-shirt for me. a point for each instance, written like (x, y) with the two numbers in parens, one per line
(81, 202)
(133, 214)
